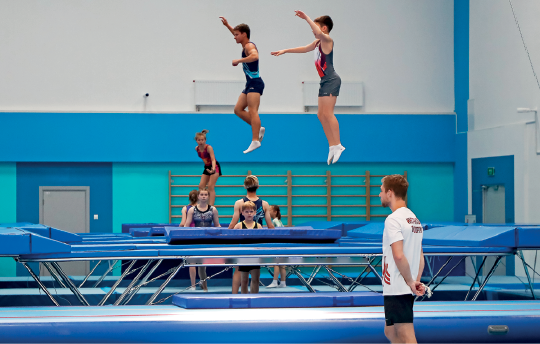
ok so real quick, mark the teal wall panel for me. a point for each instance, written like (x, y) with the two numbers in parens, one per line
(140, 190)
(8, 209)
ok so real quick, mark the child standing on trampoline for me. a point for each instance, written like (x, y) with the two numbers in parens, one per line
(249, 210)
(275, 214)
(262, 211)
(330, 80)
(203, 215)
(251, 95)
(212, 169)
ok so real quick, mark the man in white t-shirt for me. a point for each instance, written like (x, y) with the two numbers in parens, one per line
(403, 261)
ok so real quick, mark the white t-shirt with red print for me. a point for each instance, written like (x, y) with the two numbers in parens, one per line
(402, 224)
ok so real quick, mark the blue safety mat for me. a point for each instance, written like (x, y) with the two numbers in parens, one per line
(52, 233)
(281, 300)
(157, 231)
(372, 231)
(139, 232)
(528, 237)
(471, 236)
(244, 236)
(127, 226)
(14, 241)
(450, 322)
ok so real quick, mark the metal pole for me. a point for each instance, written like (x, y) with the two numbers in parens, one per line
(440, 270)
(126, 292)
(42, 286)
(475, 277)
(91, 272)
(69, 283)
(520, 255)
(448, 274)
(313, 274)
(102, 302)
(491, 272)
(355, 283)
(160, 289)
(106, 273)
(340, 286)
(54, 274)
(143, 281)
(375, 272)
(302, 279)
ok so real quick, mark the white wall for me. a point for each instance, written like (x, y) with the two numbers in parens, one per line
(501, 80)
(103, 55)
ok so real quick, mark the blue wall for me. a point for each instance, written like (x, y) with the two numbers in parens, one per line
(98, 176)
(504, 175)
(461, 94)
(121, 137)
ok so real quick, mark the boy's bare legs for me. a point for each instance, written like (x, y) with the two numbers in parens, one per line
(192, 275)
(330, 126)
(202, 276)
(251, 117)
(245, 282)
(255, 278)
(236, 280)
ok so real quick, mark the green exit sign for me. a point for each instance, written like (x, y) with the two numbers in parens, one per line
(491, 171)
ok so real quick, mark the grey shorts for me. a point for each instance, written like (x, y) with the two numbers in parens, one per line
(330, 86)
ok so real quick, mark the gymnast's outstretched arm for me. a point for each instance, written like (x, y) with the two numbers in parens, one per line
(310, 47)
(316, 29)
(227, 25)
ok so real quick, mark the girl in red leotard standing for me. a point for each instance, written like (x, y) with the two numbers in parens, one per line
(212, 169)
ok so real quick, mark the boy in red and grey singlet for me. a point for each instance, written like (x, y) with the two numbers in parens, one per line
(330, 80)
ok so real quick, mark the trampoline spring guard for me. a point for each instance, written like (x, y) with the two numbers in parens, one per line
(89, 274)
(111, 266)
(135, 279)
(113, 288)
(143, 281)
(69, 283)
(40, 284)
(54, 274)
(491, 272)
(160, 289)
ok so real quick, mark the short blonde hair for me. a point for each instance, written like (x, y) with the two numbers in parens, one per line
(249, 205)
(251, 183)
(201, 134)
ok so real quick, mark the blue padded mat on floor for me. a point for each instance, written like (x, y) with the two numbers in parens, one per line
(281, 300)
